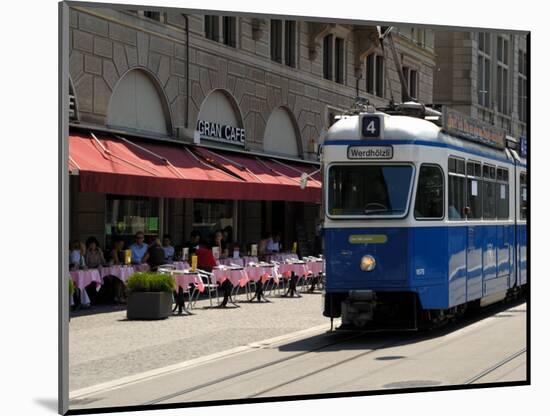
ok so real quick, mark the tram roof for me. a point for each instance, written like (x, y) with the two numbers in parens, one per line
(408, 129)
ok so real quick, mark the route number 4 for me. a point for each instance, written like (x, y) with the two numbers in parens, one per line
(371, 126)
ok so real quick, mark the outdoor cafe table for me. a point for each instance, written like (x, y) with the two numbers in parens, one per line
(83, 278)
(260, 274)
(293, 271)
(183, 279)
(229, 261)
(120, 271)
(281, 257)
(237, 277)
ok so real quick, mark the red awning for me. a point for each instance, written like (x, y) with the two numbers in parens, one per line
(114, 165)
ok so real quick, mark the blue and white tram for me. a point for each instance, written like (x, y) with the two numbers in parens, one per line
(418, 223)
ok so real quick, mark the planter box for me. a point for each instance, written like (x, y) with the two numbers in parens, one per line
(149, 305)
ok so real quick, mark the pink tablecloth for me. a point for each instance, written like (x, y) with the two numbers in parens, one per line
(315, 267)
(181, 265)
(299, 269)
(122, 272)
(83, 278)
(236, 277)
(256, 273)
(185, 279)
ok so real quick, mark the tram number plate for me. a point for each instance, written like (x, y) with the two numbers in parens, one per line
(371, 126)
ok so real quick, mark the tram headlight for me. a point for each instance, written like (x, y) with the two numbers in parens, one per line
(368, 263)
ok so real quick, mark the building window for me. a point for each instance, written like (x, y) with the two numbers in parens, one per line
(503, 198)
(489, 190)
(475, 197)
(125, 216)
(211, 215)
(523, 196)
(283, 42)
(522, 86)
(277, 40)
(327, 57)
(290, 43)
(212, 27)
(418, 36)
(484, 69)
(333, 58)
(429, 193)
(457, 182)
(411, 82)
(230, 31)
(375, 74)
(158, 16)
(502, 74)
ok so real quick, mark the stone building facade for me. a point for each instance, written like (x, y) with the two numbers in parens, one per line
(200, 65)
(484, 75)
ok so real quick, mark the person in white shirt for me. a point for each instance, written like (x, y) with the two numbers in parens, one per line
(168, 248)
(274, 244)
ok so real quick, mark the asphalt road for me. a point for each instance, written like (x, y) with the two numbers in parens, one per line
(487, 348)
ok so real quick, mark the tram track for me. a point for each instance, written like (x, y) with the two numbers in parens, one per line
(272, 363)
(496, 366)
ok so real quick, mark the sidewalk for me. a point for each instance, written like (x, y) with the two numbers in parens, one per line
(104, 346)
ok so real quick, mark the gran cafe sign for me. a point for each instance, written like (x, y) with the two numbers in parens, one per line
(222, 133)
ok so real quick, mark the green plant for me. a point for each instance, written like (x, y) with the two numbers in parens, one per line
(71, 287)
(151, 282)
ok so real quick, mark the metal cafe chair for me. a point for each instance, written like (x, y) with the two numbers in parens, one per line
(209, 286)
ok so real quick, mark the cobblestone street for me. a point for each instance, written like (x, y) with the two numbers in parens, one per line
(105, 346)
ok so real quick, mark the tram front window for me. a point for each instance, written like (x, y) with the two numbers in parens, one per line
(369, 190)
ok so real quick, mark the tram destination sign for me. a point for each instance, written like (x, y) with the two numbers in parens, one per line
(370, 152)
(459, 124)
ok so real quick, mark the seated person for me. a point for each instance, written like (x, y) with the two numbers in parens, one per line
(193, 243)
(117, 252)
(219, 242)
(168, 248)
(274, 244)
(205, 258)
(76, 256)
(139, 249)
(155, 256)
(262, 246)
(94, 255)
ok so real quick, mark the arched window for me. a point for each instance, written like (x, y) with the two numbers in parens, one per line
(138, 104)
(281, 135)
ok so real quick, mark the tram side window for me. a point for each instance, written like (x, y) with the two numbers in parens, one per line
(475, 196)
(503, 198)
(429, 193)
(489, 193)
(457, 183)
(523, 196)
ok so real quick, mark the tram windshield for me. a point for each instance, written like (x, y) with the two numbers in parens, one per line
(369, 190)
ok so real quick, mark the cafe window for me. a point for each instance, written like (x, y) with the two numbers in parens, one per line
(475, 197)
(125, 216)
(503, 198)
(457, 183)
(523, 196)
(489, 192)
(211, 215)
(429, 193)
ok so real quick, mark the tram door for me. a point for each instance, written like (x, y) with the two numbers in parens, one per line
(474, 253)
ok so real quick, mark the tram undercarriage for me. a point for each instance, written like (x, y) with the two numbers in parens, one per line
(402, 311)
